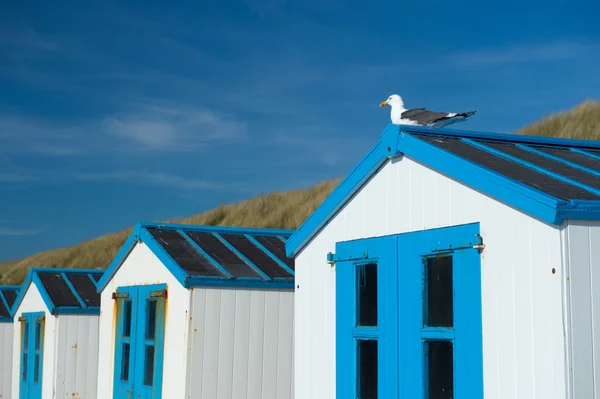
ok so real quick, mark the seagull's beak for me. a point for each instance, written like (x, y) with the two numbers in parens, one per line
(383, 104)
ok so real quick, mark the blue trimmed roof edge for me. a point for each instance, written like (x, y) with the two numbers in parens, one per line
(9, 319)
(32, 276)
(141, 234)
(396, 141)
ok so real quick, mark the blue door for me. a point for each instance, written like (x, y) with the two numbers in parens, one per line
(32, 353)
(408, 315)
(139, 342)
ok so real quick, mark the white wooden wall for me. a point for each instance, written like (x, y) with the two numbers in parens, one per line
(523, 345)
(33, 302)
(241, 344)
(582, 253)
(6, 343)
(139, 268)
(77, 356)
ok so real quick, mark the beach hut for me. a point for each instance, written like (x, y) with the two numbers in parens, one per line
(198, 312)
(453, 264)
(8, 295)
(55, 345)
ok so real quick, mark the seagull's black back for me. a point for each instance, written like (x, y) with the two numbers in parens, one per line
(424, 116)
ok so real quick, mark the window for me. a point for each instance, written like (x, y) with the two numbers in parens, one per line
(438, 309)
(366, 331)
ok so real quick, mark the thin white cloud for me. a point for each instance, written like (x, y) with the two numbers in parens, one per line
(19, 231)
(143, 128)
(174, 128)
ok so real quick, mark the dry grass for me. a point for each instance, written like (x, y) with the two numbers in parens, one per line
(582, 122)
(285, 210)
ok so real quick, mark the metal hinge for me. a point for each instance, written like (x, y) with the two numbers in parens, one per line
(116, 295)
(22, 318)
(476, 243)
(41, 318)
(158, 294)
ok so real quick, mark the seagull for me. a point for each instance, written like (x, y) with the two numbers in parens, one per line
(421, 116)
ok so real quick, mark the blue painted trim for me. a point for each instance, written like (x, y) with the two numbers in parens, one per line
(38, 282)
(528, 199)
(212, 260)
(532, 166)
(585, 210)
(384, 149)
(242, 257)
(518, 138)
(119, 258)
(588, 154)
(162, 255)
(217, 229)
(3, 299)
(239, 283)
(6, 320)
(559, 159)
(74, 291)
(271, 255)
(33, 277)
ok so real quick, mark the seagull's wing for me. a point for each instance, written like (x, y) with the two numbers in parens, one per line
(423, 116)
(426, 117)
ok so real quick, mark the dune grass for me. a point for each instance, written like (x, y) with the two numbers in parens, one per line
(286, 210)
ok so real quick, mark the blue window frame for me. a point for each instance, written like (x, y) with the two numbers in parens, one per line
(408, 315)
(139, 343)
(32, 354)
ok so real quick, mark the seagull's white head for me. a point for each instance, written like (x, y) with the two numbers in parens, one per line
(394, 101)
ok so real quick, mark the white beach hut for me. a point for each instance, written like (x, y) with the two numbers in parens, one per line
(8, 295)
(198, 312)
(55, 345)
(453, 264)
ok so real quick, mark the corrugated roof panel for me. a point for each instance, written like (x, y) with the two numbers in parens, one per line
(255, 255)
(186, 256)
(221, 254)
(523, 174)
(10, 294)
(58, 290)
(277, 248)
(549, 164)
(571, 156)
(85, 288)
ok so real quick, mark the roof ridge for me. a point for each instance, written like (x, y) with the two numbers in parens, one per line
(512, 137)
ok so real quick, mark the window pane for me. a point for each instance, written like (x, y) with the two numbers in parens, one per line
(439, 304)
(149, 365)
(24, 366)
(127, 318)
(367, 369)
(367, 295)
(38, 333)
(25, 342)
(440, 366)
(125, 363)
(151, 319)
(36, 371)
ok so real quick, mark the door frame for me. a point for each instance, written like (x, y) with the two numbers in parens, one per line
(139, 296)
(28, 387)
(400, 260)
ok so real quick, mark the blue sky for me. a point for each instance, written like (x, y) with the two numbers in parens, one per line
(113, 113)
